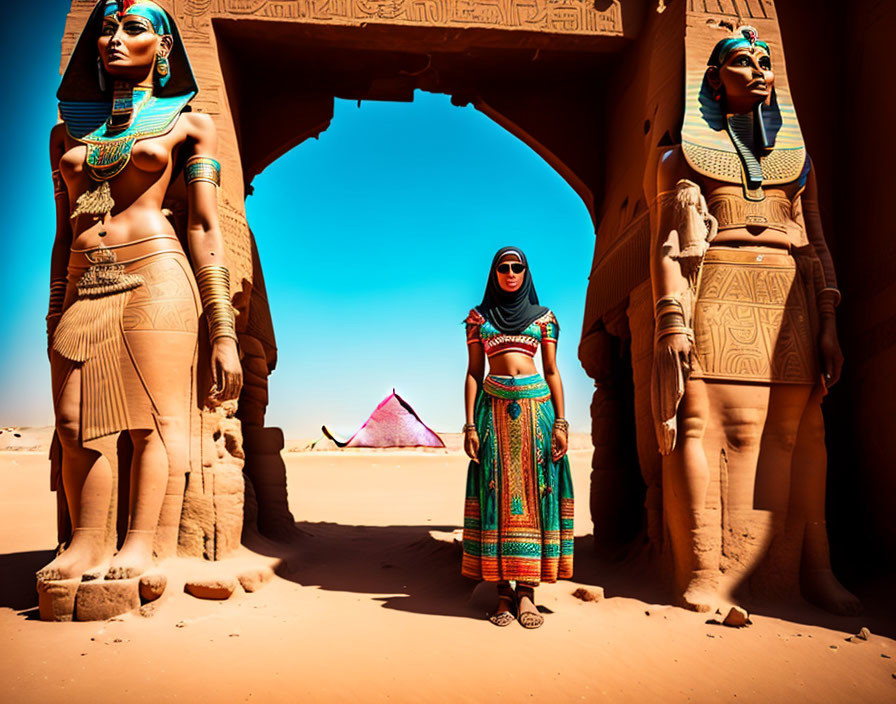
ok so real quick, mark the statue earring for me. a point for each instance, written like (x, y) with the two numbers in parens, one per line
(101, 74)
(163, 70)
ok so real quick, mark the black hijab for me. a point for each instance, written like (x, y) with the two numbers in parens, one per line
(510, 312)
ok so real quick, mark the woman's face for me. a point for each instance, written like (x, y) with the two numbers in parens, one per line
(128, 47)
(511, 272)
(746, 78)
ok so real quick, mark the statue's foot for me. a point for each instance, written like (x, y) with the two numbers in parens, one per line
(822, 588)
(71, 564)
(701, 594)
(131, 561)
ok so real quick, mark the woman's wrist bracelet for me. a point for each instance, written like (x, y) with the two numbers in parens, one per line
(561, 424)
(469, 428)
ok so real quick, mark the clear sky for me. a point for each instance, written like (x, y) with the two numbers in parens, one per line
(375, 240)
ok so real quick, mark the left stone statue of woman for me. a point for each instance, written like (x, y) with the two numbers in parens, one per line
(125, 299)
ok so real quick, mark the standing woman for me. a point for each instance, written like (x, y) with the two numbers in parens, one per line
(518, 516)
(123, 320)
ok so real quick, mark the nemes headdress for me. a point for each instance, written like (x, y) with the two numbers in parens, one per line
(81, 94)
(109, 118)
(765, 148)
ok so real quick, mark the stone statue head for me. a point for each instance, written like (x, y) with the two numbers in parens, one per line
(127, 40)
(739, 72)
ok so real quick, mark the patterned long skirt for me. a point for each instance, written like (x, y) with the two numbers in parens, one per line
(518, 515)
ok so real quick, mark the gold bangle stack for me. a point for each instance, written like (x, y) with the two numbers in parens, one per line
(58, 288)
(669, 315)
(469, 428)
(828, 300)
(562, 425)
(214, 290)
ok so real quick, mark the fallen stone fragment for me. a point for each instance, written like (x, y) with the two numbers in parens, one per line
(219, 589)
(254, 579)
(737, 617)
(152, 586)
(593, 594)
(864, 633)
(149, 610)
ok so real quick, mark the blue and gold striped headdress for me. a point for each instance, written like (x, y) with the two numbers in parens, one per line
(706, 136)
(84, 104)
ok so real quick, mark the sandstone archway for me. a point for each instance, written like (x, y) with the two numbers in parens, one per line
(594, 86)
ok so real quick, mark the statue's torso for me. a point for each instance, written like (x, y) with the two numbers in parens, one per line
(138, 190)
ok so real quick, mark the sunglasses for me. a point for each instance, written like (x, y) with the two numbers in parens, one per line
(507, 268)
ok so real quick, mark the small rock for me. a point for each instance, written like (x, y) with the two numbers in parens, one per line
(864, 633)
(211, 588)
(595, 594)
(884, 655)
(253, 580)
(834, 647)
(180, 624)
(737, 617)
(152, 586)
(149, 610)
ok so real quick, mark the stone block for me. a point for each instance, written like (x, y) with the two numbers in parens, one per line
(101, 600)
(255, 579)
(152, 586)
(218, 589)
(56, 599)
(737, 617)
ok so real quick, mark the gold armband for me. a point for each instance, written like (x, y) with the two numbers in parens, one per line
(58, 185)
(58, 288)
(214, 290)
(202, 168)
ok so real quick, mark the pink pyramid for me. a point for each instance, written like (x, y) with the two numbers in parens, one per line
(392, 424)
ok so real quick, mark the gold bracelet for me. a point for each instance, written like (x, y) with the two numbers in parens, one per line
(58, 287)
(202, 168)
(213, 282)
(469, 427)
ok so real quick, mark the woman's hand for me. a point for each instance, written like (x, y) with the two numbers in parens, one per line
(831, 355)
(227, 373)
(559, 444)
(471, 445)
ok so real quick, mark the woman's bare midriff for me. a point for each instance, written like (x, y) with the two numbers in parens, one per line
(511, 364)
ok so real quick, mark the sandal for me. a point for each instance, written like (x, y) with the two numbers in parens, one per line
(528, 619)
(504, 618)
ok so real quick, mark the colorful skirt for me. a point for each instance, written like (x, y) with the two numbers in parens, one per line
(518, 515)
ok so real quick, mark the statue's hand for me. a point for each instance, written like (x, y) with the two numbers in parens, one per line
(831, 355)
(676, 348)
(227, 372)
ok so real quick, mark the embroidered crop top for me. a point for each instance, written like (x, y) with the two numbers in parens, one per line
(479, 330)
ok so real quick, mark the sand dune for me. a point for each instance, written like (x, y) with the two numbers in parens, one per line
(370, 607)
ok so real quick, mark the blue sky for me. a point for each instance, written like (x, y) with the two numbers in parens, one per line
(375, 241)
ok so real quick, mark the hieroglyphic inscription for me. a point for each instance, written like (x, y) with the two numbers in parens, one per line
(741, 9)
(560, 16)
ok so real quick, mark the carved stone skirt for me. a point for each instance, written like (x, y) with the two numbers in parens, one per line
(130, 325)
(755, 319)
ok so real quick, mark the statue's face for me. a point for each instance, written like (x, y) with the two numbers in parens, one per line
(746, 78)
(511, 272)
(128, 47)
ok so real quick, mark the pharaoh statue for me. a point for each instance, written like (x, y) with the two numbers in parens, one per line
(127, 294)
(745, 340)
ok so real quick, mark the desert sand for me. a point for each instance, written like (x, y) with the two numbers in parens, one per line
(369, 606)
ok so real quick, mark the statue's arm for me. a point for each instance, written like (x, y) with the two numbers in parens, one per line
(63, 240)
(829, 296)
(815, 231)
(207, 252)
(666, 276)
